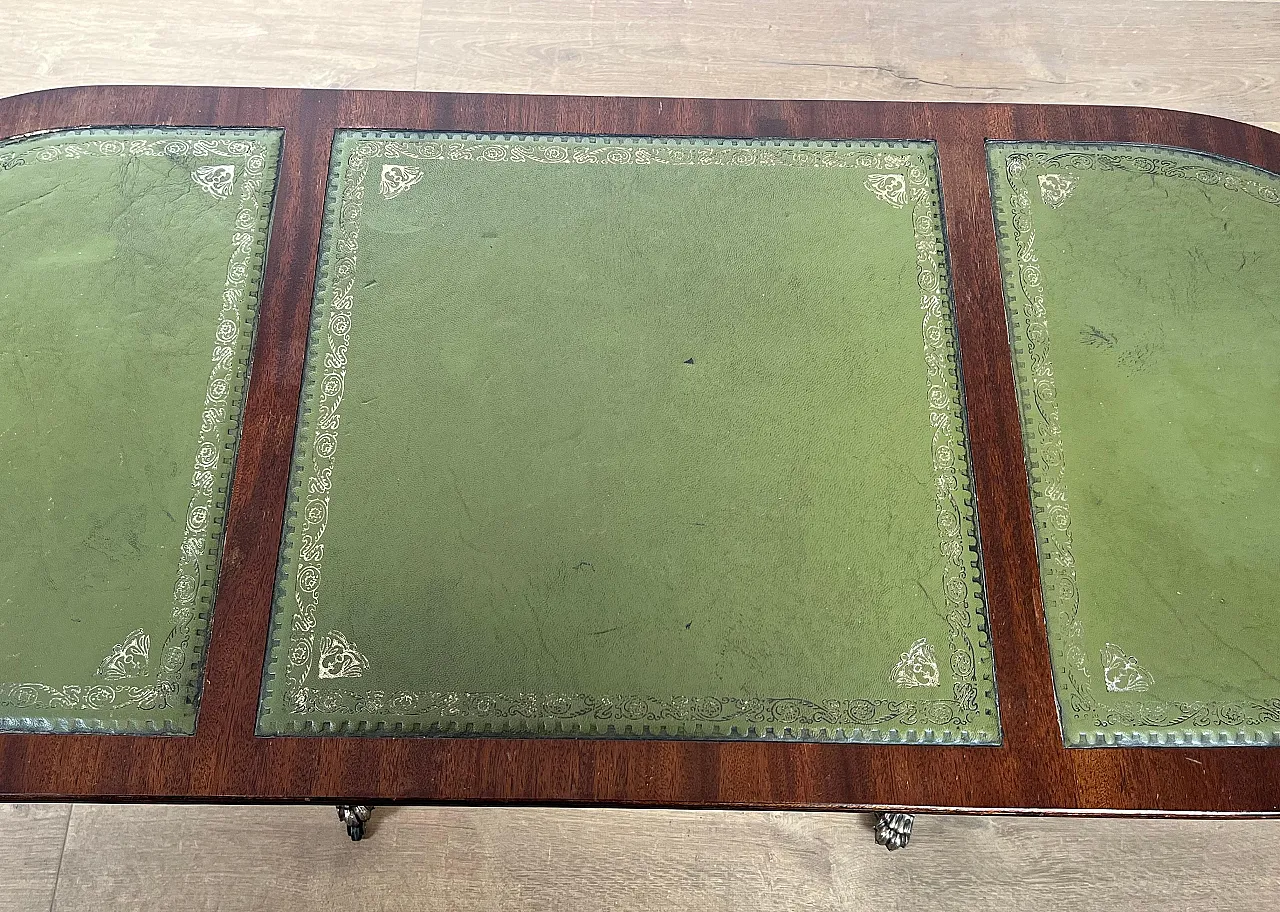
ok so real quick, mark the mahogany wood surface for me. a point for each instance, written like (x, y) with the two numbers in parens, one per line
(1030, 772)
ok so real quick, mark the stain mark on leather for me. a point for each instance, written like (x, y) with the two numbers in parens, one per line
(1091, 335)
(1136, 360)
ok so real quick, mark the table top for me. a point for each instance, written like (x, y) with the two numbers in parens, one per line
(1029, 771)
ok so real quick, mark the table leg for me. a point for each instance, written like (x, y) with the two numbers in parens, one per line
(355, 816)
(893, 830)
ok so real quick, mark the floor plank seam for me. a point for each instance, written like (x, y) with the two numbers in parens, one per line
(62, 854)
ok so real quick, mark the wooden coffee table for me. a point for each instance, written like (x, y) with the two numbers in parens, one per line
(1029, 772)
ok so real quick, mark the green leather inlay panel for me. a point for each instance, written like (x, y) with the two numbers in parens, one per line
(1141, 285)
(631, 437)
(131, 262)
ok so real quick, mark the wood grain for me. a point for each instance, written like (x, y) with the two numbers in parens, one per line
(338, 43)
(1212, 56)
(1032, 770)
(31, 838)
(281, 859)
(1216, 57)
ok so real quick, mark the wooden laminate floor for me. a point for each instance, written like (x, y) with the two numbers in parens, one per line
(200, 858)
(1213, 56)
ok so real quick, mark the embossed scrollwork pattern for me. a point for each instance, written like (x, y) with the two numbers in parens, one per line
(382, 165)
(456, 711)
(242, 181)
(1056, 175)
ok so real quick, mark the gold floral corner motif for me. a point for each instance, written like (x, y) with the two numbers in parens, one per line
(212, 458)
(1057, 174)
(898, 175)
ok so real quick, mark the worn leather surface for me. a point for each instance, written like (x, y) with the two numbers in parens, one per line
(1141, 289)
(631, 437)
(130, 263)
